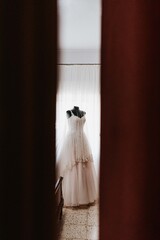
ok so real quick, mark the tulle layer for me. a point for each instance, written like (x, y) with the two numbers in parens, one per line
(75, 165)
(80, 185)
(75, 150)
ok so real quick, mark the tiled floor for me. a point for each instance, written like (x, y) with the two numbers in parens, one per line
(80, 223)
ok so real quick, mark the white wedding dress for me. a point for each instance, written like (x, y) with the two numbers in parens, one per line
(76, 166)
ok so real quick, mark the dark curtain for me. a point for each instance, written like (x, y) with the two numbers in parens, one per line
(27, 91)
(130, 126)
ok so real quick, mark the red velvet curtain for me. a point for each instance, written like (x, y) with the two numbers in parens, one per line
(28, 89)
(130, 126)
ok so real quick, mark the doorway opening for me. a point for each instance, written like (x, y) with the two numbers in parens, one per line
(79, 86)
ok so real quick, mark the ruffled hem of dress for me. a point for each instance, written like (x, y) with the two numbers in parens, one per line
(83, 161)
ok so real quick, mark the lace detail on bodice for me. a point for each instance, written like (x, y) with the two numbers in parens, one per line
(76, 124)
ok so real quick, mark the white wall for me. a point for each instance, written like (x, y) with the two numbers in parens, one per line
(79, 31)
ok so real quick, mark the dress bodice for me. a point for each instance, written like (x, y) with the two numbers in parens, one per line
(76, 124)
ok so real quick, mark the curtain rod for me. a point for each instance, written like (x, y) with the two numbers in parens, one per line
(78, 64)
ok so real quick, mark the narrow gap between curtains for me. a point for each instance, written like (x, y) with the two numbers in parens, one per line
(79, 85)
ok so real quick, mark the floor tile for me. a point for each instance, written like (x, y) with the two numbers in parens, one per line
(93, 218)
(74, 231)
(80, 223)
(76, 218)
(92, 232)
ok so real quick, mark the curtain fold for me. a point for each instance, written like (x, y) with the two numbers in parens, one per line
(28, 90)
(130, 102)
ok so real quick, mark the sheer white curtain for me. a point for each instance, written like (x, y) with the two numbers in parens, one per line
(79, 85)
